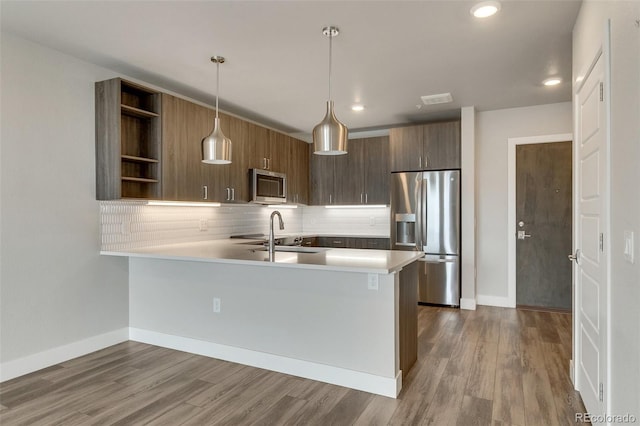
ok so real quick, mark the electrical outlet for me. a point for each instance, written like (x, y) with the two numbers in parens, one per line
(203, 224)
(372, 281)
(216, 305)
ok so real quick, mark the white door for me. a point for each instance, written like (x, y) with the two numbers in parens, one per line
(591, 218)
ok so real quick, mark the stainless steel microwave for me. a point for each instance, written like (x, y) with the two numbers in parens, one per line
(268, 187)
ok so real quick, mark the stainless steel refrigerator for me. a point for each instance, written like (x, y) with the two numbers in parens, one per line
(425, 216)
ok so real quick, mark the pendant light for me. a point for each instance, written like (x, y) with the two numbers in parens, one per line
(216, 148)
(330, 135)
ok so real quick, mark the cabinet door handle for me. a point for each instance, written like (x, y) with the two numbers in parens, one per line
(420, 161)
(264, 163)
(366, 198)
(329, 198)
(233, 194)
(268, 163)
(205, 194)
(228, 193)
(361, 198)
(426, 161)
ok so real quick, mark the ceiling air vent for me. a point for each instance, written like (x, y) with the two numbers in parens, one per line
(442, 98)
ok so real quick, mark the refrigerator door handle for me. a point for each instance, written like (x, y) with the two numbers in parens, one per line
(424, 216)
(418, 227)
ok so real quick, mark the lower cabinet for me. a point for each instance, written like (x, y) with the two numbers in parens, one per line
(347, 242)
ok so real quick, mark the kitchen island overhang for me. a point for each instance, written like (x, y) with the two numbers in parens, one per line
(338, 323)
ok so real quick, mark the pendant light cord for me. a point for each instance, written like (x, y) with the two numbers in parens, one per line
(330, 43)
(217, 85)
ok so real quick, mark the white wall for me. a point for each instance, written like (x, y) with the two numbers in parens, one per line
(493, 130)
(624, 322)
(468, 217)
(55, 287)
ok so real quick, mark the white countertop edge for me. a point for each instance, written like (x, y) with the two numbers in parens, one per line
(311, 266)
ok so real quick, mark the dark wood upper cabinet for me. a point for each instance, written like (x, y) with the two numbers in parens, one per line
(148, 145)
(186, 178)
(359, 177)
(430, 146)
(322, 179)
(279, 152)
(260, 146)
(128, 143)
(376, 173)
(349, 174)
(234, 185)
(297, 171)
(184, 125)
(406, 148)
(442, 145)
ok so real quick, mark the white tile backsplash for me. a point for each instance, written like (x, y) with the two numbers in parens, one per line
(346, 221)
(134, 224)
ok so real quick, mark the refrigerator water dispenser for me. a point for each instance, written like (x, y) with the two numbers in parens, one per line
(405, 229)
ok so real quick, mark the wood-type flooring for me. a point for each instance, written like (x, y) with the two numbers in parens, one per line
(492, 366)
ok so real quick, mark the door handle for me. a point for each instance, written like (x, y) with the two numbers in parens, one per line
(575, 257)
(205, 194)
(522, 235)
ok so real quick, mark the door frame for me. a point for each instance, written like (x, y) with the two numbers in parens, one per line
(511, 202)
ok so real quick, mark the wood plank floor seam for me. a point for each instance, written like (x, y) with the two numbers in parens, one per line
(492, 366)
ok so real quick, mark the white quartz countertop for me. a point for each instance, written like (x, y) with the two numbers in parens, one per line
(242, 251)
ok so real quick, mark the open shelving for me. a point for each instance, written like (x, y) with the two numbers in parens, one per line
(128, 140)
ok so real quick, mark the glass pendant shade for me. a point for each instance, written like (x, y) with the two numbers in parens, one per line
(330, 135)
(216, 148)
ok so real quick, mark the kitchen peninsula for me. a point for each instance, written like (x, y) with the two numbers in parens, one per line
(342, 316)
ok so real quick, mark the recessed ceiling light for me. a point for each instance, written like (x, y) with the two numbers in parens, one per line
(553, 81)
(485, 9)
(357, 107)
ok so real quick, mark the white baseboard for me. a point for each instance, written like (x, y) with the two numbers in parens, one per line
(469, 304)
(386, 386)
(572, 374)
(40, 360)
(499, 301)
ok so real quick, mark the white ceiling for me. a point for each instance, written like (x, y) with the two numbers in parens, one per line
(388, 53)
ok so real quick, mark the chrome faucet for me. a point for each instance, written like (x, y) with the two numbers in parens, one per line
(272, 240)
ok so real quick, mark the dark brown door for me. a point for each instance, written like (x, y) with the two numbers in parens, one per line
(543, 222)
